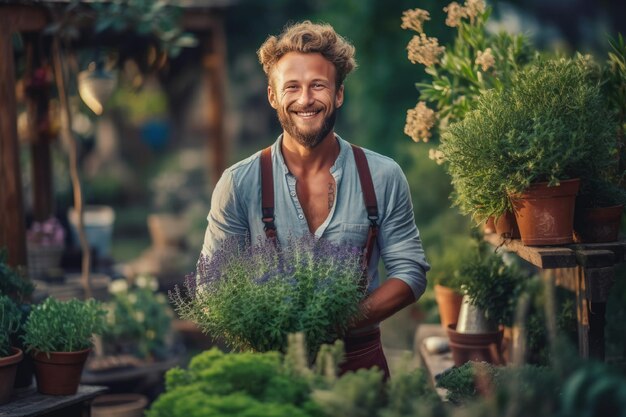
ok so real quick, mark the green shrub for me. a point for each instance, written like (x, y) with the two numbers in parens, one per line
(10, 319)
(13, 282)
(63, 326)
(551, 124)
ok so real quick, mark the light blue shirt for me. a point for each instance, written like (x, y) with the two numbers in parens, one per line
(236, 211)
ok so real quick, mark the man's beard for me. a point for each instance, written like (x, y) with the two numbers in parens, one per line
(307, 139)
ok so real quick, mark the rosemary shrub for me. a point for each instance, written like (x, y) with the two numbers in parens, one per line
(63, 326)
(253, 296)
(10, 319)
(551, 124)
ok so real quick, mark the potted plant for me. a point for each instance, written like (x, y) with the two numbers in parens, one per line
(138, 319)
(253, 296)
(447, 280)
(491, 291)
(526, 145)
(10, 318)
(601, 200)
(58, 335)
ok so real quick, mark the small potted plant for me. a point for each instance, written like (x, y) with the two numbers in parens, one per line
(522, 149)
(10, 356)
(138, 319)
(58, 335)
(45, 242)
(445, 275)
(601, 200)
(491, 291)
(253, 296)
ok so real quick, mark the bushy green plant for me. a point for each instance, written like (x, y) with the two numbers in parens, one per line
(447, 262)
(63, 326)
(491, 285)
(13, 282)
(237, 384)
(461, 382)
(477, 61)
(138, 319)
(253, 296)
(10, 319)
(550, 124)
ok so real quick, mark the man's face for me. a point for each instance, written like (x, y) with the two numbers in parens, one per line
(303, 92)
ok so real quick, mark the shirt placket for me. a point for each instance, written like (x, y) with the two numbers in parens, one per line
(291, 186)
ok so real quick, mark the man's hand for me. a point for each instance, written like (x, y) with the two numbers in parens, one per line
(388, 299)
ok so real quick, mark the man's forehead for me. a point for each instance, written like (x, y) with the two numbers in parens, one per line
(295, 66)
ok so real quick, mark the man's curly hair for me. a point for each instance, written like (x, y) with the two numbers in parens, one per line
(307, 37)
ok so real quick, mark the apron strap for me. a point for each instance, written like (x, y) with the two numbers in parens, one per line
(369, 196)
(267, 193)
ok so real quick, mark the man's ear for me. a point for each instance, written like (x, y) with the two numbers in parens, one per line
(339, 96)
(271, 96)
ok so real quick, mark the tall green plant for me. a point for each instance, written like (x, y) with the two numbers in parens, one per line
(476, 61)
(63, 326)
(10, 319)
(550, 124)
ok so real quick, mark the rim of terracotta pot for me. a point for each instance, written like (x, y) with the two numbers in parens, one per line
(565, 187)
(12, 359)
(473, 338)
(60, 357)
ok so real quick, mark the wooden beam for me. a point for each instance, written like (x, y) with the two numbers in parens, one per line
(542, 257)
(12, 228)
(22, 18)
(214, 64)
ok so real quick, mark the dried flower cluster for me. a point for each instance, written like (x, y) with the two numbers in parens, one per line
(425, 50)
(419, 121)
(472, 9)
(436, 155)
(485, 59)
(414, 19)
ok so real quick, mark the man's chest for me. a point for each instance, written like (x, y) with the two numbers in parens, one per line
(317, 196)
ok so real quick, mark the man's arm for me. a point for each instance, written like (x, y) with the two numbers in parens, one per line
(384, 302)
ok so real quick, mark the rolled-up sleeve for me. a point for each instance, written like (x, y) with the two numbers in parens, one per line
(399, 239)
(227, 216)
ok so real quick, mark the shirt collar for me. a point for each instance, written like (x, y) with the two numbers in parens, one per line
(344, 147)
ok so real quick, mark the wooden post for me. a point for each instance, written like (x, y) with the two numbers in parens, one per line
(12, 228)
(214, 63)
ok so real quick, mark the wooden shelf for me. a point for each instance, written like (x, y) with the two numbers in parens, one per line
(27, 402)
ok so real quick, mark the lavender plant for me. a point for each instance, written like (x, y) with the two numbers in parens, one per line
(253, 296)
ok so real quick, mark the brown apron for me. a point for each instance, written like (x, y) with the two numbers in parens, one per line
(362, 350)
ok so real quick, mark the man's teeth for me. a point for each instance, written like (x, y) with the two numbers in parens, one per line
(307, 114)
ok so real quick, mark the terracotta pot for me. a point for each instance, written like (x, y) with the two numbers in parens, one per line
(490, 225)
(8, 368)
(59, 374)
(448, 303)
(545, 215)
(119, 405)
(597, 225)
(506, 226)
(475, 346)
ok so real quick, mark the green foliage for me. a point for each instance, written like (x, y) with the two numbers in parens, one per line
(138, 319)
(550, 124)
(12, 282)
(410, 394)
(461, 382)
(242, 384)
(254, 296)
(458, 78)
(10, 320)
(63, 326)
(491, 285)
(159, 19)
(448, 261)
(356, 394)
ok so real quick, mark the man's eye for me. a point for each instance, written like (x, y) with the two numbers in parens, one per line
(318, 85)
(290, 88)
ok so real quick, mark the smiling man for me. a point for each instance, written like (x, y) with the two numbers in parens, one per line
(312, 181)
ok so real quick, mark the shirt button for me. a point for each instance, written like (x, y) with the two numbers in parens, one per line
(301, 216)
(293, 193)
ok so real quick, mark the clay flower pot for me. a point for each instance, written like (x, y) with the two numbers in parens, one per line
(597, 225)
(545, 215)
(490, 225)
(8, 368)
(478, 347)
(448, 303)
(59, 373)
(506, 226)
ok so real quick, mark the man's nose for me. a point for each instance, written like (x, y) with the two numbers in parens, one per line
(306, 97)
